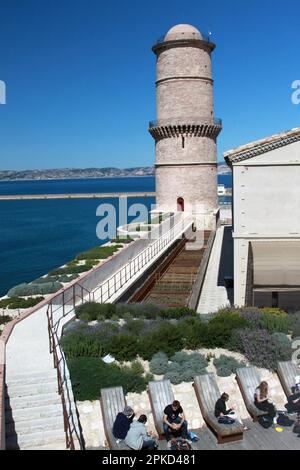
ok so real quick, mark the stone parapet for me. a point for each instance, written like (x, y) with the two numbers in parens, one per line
(185, 130)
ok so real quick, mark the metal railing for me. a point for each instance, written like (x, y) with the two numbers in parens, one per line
(62, 380)
(185, 121)
(108, 289)
(174, 37)
(64, 305)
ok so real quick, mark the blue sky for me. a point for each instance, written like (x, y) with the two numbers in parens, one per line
(80, 75)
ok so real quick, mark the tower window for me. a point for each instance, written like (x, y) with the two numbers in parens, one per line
(183, 142)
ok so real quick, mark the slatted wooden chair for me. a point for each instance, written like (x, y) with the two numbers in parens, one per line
(248, 379)
(160, 395)
(112, 402)
(207, 393)
(287, 371)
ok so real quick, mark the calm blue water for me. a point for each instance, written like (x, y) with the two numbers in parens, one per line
(37, 236)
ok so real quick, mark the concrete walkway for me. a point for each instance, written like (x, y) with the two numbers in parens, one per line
(214, 295)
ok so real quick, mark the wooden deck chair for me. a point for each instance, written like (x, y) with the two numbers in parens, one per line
(248, 379)
(112, 402)
(207, 392)
(287, 371)
(160, 395)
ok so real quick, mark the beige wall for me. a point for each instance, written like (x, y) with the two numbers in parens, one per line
(266, 205)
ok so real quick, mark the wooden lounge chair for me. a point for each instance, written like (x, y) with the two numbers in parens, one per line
(160, 395)
(287, 372)
(208, 393)
(248, 379)
(112, 402)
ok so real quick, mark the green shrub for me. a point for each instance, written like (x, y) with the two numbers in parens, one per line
(5, 302)
(4, 319)
(220, 328)
(91, 311)
(187, 375)
(99, 252)
(133, 327)
(18, 302)
(137, 368)
(68, 270)
(159, 363)
(174, 376)
(34, 289)
(90, 375)
(123, 240)
(194, 333)
(227, 365)
(45, 280)
(274, 311)
(283, 346)
(124, 347)
(81, 344)
(167, 338)
(65, 278)
(265, 350)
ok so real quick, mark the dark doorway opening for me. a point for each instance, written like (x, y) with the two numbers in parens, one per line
(180, 204)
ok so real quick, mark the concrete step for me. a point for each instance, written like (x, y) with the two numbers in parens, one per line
(36, 439)
(58, 445)
(32, 401)
(31, 389)
(39, 412)
(34, 425)
(32, 378)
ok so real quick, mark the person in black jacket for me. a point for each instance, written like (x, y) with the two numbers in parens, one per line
(293, 405)
(220, 407)
(122, 423)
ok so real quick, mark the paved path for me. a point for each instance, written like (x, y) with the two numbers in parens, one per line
(214, 295)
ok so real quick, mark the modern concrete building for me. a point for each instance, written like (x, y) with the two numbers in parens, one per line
(186, 131)
(266, 219)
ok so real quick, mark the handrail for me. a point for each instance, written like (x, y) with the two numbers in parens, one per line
(84, 295)
(59, 363)
(198, 284)
(185, 121)
(110, 286)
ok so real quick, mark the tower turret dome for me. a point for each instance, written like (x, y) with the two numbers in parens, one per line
(183, 31)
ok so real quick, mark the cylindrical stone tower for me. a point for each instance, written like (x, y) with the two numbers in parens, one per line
(186, 131)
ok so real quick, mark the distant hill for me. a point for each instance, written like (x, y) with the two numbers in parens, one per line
(76, 173)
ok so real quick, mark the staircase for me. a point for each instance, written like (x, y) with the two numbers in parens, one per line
(33, 407)
(33, 412)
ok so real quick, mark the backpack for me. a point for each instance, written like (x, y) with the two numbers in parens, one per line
(265, 421)
(180, 444)
(284, 420)
(226, 420)
(296, 428)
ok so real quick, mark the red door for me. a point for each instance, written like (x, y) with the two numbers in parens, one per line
(180, 204)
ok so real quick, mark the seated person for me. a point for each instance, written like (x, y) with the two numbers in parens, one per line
(220, 407)
(263, 402)
(137, 437)
(293, 405)
(122, 423)
(174, 422)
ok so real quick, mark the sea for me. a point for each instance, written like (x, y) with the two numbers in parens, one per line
(39, 235)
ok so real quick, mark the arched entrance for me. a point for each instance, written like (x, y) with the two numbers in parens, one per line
(180, 204)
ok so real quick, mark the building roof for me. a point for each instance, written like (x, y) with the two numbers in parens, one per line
(183, 31)
(262, 146)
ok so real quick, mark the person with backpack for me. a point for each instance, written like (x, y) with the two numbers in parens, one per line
(174, 422)
(263, 402)
(293, 404)
(122, 423)
(137, 437)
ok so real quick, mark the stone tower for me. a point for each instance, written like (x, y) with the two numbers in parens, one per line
(186, 131)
